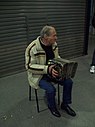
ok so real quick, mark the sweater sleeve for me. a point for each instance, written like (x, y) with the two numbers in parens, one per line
(33, 63)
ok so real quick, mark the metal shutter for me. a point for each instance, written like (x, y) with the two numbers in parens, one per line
(12, 38)
(21, 21)
(69, 19)
(34, 24)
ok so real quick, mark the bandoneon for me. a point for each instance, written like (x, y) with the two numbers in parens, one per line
(66, 68)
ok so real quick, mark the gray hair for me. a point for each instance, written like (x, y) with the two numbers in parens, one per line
(45, 31)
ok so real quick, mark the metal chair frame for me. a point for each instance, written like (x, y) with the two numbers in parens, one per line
(37, 100)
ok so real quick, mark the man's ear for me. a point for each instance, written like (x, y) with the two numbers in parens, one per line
(45, 36)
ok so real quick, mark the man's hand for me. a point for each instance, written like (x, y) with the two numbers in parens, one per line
(52, 71)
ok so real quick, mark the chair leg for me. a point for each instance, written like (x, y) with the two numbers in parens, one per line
(29, 93)
(37, 100)
(58, 95)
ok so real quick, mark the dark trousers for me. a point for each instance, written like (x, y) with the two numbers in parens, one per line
(93, 59)
(46, 84)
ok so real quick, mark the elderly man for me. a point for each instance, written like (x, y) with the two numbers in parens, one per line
(37, 55)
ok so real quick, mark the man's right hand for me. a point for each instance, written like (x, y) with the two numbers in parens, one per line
(52, 71)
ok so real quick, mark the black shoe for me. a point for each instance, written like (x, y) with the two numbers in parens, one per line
(68, 110)
(54, 112)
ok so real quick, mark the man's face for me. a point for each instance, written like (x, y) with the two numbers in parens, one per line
(53, 37)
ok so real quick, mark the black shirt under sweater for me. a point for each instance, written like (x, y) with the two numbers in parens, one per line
(49, 52)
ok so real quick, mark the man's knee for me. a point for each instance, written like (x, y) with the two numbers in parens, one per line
(51, 90)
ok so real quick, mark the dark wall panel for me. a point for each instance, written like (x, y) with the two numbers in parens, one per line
(21, 22)
(12, 39)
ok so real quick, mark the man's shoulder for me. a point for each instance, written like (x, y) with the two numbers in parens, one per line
(33, 44)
